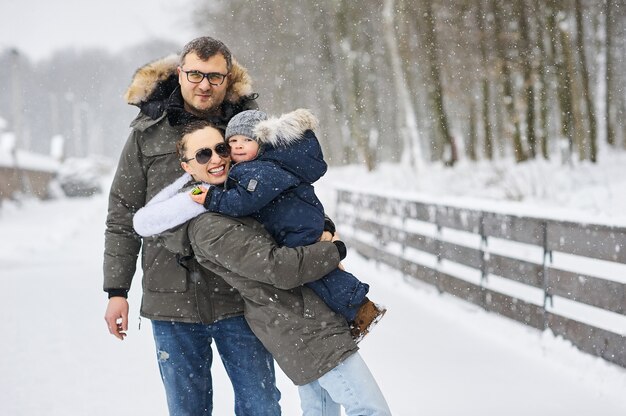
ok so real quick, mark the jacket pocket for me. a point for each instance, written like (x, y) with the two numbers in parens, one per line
(162, 272)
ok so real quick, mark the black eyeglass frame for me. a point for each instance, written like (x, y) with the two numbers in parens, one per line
(203, 156)
(206, 75)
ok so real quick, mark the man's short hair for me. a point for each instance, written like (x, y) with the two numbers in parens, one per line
(206, 47)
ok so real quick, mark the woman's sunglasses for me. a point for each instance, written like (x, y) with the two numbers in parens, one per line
(204, 155)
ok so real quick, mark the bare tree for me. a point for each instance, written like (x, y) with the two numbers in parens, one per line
(584, 72)
(408, 127)
(507, 83)
(574, 92)
(485, 87)
(437, 97)
(543, 65)
(563, 81)
(527, 64)
(608, 76)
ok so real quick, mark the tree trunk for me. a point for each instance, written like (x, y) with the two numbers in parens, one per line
(563, 81)
(543, 87)
(473, 140)
(574, 94)
(509, 96)
(609, 103)
(486, 94)
(338, 143)
(405, 106)
(527, 64)
(591, 112)
(406, 9)
(622, 111)
(437, 99)
(353, 106)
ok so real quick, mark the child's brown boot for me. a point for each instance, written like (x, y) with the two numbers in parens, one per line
(368, 315)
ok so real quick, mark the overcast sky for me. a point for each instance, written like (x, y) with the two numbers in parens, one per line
(39, 27)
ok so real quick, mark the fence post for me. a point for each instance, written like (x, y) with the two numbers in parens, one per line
(483, 249)
(547, 257)
(439, 227)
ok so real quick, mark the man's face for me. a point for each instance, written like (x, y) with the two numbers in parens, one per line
(203, 98)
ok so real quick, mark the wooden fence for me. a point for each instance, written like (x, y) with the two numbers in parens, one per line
(395, 231)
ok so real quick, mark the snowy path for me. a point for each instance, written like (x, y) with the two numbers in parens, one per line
(432, 354)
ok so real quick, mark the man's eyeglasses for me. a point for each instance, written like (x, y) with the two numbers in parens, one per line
(215, 78)
(204, 155)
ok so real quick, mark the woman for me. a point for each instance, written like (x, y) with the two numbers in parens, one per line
(312, 345)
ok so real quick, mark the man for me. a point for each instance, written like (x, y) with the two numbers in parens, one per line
(189, 308)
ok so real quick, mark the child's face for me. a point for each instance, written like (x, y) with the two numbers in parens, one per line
(242, 148)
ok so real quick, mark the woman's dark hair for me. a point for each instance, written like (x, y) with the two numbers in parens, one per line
(191, 127)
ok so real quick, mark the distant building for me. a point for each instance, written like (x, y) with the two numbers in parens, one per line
(24, 172)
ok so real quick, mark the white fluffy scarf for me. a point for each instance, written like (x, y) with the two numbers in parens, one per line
(168, 209)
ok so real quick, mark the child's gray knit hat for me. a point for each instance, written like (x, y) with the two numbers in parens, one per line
(244, 123)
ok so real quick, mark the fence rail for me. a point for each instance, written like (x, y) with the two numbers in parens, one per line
(386, 229)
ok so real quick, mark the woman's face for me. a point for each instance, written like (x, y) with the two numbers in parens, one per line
(215, 170)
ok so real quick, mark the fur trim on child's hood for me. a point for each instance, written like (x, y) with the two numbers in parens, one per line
(286, 129)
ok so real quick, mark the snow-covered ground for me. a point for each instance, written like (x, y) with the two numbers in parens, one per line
(432, 354)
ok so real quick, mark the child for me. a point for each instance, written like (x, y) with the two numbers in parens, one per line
(276, 161)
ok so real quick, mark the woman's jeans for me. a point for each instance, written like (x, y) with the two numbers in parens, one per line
(184, 354)
(350, 385)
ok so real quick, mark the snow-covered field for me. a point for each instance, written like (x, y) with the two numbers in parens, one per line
(432, 354)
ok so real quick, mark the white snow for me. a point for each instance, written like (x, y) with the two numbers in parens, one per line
(582, 192)
(432, 353)
(10, 157)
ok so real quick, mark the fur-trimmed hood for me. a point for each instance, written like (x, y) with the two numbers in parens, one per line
(290, 142)
(286, 129)
(156, 81)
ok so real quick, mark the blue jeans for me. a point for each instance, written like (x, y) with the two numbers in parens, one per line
(341, 291)
(184, 354)
(351, 385)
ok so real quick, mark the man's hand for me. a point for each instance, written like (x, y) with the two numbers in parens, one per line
(326, 236)
(335, 237)
(116, 317)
